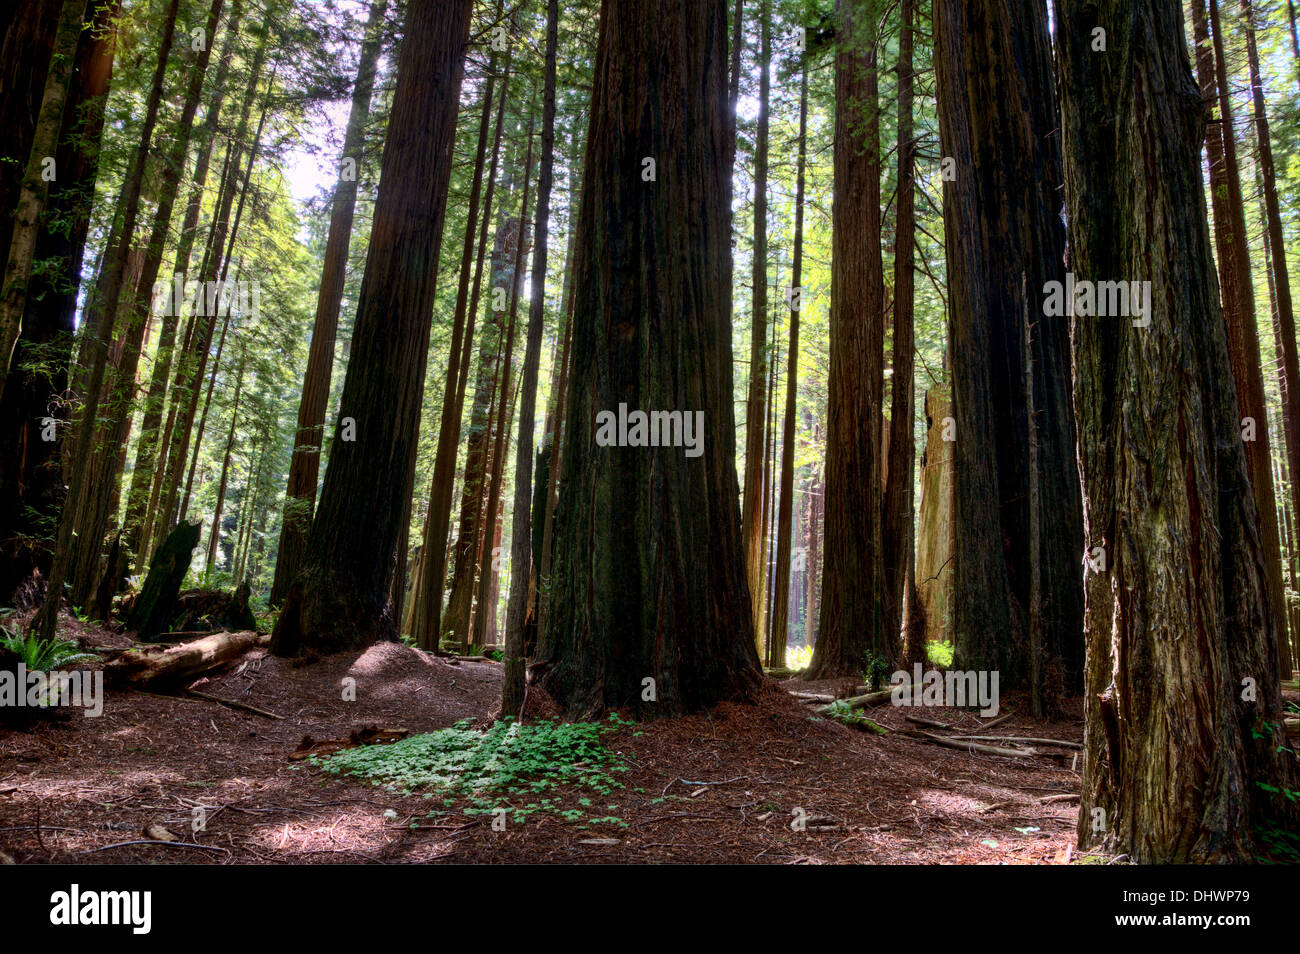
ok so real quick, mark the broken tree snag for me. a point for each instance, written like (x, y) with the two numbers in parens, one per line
(155, 667)
(934, 547)
(157, 600)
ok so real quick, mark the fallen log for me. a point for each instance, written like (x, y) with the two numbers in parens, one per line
(856, 720)
(811, 697)
(869, 699)
(1053, 799)
(156, 667)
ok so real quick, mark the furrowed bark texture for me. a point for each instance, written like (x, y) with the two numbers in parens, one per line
(649, 578)
(1175, 743)
(851, 624)
(1005, 240)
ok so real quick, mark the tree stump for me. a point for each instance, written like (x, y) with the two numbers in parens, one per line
(157, 601)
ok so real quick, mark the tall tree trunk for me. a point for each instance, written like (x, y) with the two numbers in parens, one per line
(522, 579)
(897, 522)
(1005, 242)
(214, 537)
(142, 475)
(812, 576)
(174, 446)
(1182, 703)
(505, 281)
(424, 621)
(30, 474)
(489, 561)
(1284, 307)
(763, 598)
(851, 624)
(172, 504)
(485, 619)
(340, 599)
(99, 501)
(98, 319)
(304, 466)
(560, 392)
(784, 534)
(649, 580)
(27, 31)
(756, 433)
(1237, 294)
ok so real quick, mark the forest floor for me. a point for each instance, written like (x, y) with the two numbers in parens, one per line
(723, 786)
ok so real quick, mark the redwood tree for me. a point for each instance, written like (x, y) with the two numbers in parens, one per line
(850, 628)
(304, 466)
(649, 578)
(1004, 242)
(1183, 709)
(340, 598)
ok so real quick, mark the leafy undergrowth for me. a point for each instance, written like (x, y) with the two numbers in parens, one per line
(485, 772)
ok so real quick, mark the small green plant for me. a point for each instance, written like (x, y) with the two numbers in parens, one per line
(841, 711)
(496, 654)
(42, 655)
(492, 768)
(940, 653)
(877, 670)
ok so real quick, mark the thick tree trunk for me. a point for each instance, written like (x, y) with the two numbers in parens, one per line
(1182, 702)
(1005, 241)
(649, 604)
(27, 29)
(152, 613)
(340, 599)
(522, 578)
(157, 668)
(851, 624)
(304, 466)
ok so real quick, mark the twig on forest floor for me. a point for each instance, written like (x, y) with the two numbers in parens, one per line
(235, 705)
(149, 841)
(1018, 738)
